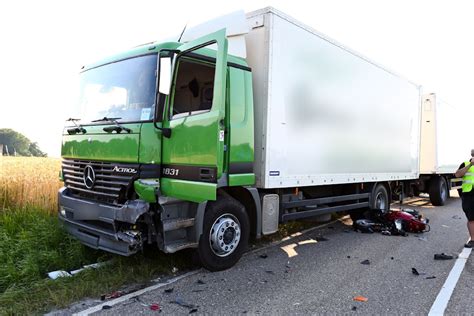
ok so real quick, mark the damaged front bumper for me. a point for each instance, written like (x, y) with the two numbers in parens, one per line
(100, 226)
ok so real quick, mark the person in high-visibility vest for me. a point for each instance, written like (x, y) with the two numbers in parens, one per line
(466, 171)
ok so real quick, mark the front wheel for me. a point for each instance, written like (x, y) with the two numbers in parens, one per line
(225, 234)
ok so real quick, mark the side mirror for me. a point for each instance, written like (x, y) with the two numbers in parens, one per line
(165, 66)
(165, 75)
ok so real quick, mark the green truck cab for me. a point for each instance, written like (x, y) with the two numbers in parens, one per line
(163, 152)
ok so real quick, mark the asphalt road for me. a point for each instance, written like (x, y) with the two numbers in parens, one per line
(307, 276)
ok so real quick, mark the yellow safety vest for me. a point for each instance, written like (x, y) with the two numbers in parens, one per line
(468, 179)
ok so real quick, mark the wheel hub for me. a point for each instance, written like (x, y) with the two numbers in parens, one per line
(380, 202)
(225, 235)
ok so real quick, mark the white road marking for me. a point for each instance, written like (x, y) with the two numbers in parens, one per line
(442, 300)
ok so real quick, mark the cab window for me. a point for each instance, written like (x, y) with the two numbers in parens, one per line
(194, 88)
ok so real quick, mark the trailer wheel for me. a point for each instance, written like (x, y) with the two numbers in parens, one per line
(225, 234)
(379, 199)
(438, 191)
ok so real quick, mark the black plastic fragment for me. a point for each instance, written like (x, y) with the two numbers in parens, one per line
(443, 256)
(366, 261)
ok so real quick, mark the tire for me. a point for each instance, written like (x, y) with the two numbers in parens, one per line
(226, 221)
(379, 199)
(438, 191)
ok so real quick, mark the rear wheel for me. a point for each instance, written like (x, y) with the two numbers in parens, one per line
(225, 234)
(379, 199)
(438, 191)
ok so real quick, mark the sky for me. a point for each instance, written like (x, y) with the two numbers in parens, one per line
(45, 43)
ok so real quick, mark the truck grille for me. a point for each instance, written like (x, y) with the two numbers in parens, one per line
(108, 185)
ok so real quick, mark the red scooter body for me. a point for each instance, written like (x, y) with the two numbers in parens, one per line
(411, 223)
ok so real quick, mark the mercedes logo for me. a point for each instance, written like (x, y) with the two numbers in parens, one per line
(89, 177)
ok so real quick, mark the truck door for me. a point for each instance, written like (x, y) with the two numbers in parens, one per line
(193, 156)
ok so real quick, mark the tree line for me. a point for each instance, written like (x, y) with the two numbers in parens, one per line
(13, 143)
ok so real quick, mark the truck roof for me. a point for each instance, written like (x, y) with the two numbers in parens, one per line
(149, 48)
(308, 28)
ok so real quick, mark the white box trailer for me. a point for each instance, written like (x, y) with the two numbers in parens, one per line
(440, 153)
(325, 114)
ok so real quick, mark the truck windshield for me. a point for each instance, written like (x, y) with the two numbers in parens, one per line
(124, 89)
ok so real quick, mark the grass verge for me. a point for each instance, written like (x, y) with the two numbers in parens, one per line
(33, 243)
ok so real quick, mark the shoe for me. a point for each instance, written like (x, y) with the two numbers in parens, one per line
(443, 256)
(470, 244)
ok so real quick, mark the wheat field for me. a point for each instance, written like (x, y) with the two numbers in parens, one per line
(29, 182)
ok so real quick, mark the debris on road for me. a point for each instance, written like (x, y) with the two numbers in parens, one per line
(155, 307)
(174, 270)
(445, 226)
(200, 282)
(194, 310)
(423, 238)
(179, 301)
(431, 277)
(443, 256)
(457, 217)
(354, 308)
(360, 299)
(264, 256)
(106, 307)
(366, 262)
(416, 272)
(170, 290)
(269, 272)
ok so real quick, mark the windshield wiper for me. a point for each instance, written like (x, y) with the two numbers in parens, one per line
(77, 129)
(109, 129)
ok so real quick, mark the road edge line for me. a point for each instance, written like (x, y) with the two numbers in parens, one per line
(442, 300)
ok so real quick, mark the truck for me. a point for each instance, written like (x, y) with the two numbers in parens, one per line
(241, 124)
